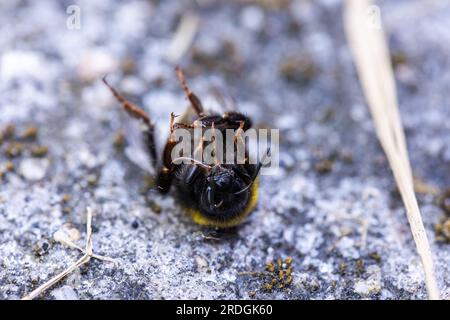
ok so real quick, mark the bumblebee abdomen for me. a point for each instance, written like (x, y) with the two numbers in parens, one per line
(226, 218)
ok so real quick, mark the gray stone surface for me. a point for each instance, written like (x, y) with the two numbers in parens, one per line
(330, 223)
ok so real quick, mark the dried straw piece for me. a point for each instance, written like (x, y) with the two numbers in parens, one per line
(88, 254)
(371, 55)
(65, 240)
(184, 35)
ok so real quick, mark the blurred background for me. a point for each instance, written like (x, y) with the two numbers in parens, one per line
(333, 208)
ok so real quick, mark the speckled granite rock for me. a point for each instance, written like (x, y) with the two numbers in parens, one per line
(333, 207)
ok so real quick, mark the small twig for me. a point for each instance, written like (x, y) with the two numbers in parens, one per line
(88, 254)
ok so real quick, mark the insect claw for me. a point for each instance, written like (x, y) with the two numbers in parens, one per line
(219, 204)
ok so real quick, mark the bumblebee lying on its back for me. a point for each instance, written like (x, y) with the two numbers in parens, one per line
(219, 195)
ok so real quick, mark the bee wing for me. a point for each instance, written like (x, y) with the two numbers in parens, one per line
(224, 99)
(136, 149)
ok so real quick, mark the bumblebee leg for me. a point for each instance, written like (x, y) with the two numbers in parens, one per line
(229, 120)
(238, 133)
(195, 101)
(164, 180)
(139, 114)
(179, 125)
(164, 176)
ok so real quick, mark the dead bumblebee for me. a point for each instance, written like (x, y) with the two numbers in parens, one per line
(217, 195)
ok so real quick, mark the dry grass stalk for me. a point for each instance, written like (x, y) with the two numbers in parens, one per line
(371, 55)
(88, 254)
(182, 40)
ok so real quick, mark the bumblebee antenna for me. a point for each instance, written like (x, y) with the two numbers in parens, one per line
(210, 193)
(258, 168)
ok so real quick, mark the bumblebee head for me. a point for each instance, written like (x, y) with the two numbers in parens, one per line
(221, 179)
(221, 190)
(225, 198)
